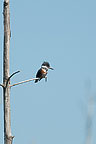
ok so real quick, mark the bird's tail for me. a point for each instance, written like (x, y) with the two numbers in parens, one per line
(36, 80)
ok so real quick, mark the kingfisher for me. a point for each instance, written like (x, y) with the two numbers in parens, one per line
(42, 72)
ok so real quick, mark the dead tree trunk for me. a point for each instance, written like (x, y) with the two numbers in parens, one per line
(6, 89)
(8, 138)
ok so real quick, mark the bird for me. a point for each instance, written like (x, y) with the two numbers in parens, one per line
(42, 72)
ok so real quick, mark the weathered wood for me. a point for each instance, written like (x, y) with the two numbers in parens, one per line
(6, 89)
(23, 82)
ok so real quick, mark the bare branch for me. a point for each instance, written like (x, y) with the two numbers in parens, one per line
(11, 76)
(1, 85)
(24, 82)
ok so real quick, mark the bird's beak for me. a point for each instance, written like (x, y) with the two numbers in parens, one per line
(51, 68)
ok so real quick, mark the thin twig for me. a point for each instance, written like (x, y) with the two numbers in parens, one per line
(1, 85)
(11, 76)
(24, 81)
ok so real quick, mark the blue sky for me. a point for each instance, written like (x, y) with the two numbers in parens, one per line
(64, 34)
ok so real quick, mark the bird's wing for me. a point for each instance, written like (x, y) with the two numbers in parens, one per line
(39, 73)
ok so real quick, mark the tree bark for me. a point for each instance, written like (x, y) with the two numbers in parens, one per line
(6, 89)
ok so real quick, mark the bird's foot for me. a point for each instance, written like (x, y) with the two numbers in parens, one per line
(46, 79)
